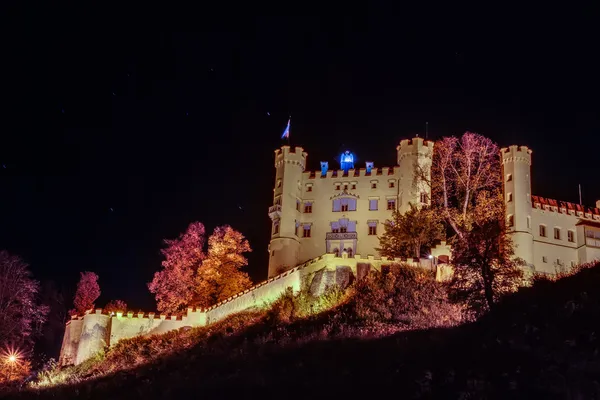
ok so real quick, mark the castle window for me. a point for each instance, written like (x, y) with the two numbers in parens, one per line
(345, 187)
(273, 253)
(544, 259)
(373, 185)
(344, 204)
(343, 229)
(344, 207)
(557, 233)
(571, 236)
(307, 208)
(391, 204)
(337, 187)
(424, 198)
(391, 184)
(306, 231)
(543, 230)
(508, 177)
(372, 227)
(510, 221)
(297, 205)
(309, 188)
(335, 230)
(508, 197)
(275, 227)
(373, 204)
(353, 186)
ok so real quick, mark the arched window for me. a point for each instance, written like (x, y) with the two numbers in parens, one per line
(349, 252)
(336, 251)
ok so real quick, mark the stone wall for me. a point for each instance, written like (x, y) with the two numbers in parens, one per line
(85, 336)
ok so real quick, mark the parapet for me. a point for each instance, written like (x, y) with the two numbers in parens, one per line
(286, 155)
(415, 145)
(516, 153)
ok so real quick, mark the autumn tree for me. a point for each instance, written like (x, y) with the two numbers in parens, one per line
(21, 317)
(220, 276)
(87, 292)
(407, 234)
(466, 186)
(173, 286)
(115, 305)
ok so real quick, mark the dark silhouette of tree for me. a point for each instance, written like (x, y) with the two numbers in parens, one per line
(87, 292)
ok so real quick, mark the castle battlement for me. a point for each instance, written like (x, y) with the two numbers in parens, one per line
(565, 207)
(285, 155)
(516, 153)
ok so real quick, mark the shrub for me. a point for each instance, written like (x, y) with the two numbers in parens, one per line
(407, 295)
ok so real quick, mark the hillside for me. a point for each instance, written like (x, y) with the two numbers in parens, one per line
(541, 343)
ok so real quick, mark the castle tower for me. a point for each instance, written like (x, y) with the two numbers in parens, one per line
(516, 176)
(414, 159)
(285, 246)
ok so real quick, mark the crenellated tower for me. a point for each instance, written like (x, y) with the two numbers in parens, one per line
(414, 158)
(516, 176)
(284, 213)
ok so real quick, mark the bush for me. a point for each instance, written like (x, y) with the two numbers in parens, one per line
(406, 295)
(289, 306)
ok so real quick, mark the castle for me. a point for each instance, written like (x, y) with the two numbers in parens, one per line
(325, 227)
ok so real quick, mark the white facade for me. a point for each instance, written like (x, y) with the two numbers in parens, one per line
(342, 210)
(339, 210)
(551, 236)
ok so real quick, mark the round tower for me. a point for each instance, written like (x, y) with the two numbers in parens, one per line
(284, 213)
(516, 177)
(414, 158)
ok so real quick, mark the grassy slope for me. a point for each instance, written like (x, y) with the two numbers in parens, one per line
(542, 343)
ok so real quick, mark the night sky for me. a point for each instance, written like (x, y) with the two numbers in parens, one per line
(114, 136)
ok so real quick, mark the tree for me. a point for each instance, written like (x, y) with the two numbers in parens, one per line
(115, 305)
(87, 292)
(406, 234)
(219, 276)
(461, 169)
(485, 268)
(173, 287)
(21, 317)
(466, 186)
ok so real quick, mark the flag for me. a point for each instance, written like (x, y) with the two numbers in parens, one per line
(286, 133)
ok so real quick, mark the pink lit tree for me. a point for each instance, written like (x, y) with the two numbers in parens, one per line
(173, 286)
(115, 305)
(220, 275)
(21, 317)
(87, 292)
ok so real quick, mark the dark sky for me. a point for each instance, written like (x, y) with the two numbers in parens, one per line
(116, 135)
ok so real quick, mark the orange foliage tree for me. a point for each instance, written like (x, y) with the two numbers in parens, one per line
(115, 305)
(87, 292)
(173, 286)
(220, 276)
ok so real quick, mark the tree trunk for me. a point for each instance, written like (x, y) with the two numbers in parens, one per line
(487, 285)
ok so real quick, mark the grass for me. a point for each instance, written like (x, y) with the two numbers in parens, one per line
(542, 342)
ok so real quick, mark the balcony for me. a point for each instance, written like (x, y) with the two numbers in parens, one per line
(275, 211)
(341, 235)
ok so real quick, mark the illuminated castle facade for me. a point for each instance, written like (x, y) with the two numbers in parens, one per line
(550, 235)
(340, 211)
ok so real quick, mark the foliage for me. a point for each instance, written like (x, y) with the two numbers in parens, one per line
(219, 276)
(406, 234)
(13, 370)
(115, 305)
(484, 267)
(407, 295)
(173, 286)
(21, 317)
(87, 292)
(461, 169)
(290, 307)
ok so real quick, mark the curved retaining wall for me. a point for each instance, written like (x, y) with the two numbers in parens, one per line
(85, 336)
